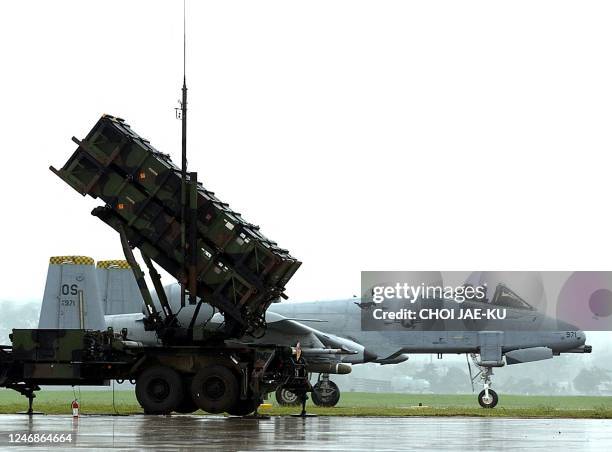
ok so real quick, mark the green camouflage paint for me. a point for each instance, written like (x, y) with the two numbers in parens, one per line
(239, 270)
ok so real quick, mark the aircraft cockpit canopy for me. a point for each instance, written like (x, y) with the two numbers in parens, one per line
(507, 298)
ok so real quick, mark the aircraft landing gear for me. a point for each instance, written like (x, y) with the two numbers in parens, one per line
(325, 392)
(487, 398)
(301, 395)
(286, 397)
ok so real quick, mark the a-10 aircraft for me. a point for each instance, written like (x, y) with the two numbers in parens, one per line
(526, 335)
(79, 294)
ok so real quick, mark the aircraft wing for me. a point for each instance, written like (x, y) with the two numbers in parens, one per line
(285, 330)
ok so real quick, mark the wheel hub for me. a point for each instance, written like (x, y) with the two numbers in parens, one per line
(159, 389)
(289, 396)
(214, 388)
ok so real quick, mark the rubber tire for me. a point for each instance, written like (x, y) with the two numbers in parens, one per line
(493, 403)
(187, 405)
(227, 385)
(326, 401)
(282, 401)
(164, 376)
(243, 407)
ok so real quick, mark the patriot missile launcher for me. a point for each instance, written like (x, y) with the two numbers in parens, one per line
(218, 257)
(229, 263)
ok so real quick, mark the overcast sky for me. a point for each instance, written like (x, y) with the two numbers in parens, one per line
(360, 135)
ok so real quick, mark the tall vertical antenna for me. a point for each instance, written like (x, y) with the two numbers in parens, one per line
(184, 105)
(184, 40)
(184, 154)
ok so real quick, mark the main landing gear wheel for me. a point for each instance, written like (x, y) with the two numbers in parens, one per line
(325, 393)
(488, 401)
(159, 390)
(285, 397)
(215, 389)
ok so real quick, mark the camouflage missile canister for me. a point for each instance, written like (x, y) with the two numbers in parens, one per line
(239, 270)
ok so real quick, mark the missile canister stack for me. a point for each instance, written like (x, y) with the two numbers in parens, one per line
(236, 269)
(239, 271)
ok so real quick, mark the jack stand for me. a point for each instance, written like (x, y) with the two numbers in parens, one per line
(304, 413)
(30, 411)
(30, 402)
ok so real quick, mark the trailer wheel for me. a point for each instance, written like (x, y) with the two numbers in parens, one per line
(285, 397)
(243, 407)
(187, 405)
(215, 389)
(159, 390)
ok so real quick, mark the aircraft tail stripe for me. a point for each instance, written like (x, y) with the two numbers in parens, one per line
(71, 260)
(114, 263)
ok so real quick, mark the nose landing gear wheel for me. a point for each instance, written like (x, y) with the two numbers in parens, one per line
(489, 401)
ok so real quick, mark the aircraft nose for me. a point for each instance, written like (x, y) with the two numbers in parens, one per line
(580, 337)
(572, 336)
(575, 338)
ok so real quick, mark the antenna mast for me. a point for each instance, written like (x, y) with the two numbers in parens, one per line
(184, 183)
(184, 105)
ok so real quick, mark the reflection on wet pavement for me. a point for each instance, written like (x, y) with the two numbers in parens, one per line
(316, 433)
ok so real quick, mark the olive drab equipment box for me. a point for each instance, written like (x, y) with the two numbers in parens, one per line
(239, 270)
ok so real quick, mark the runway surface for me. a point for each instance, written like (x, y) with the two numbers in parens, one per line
(317, 433)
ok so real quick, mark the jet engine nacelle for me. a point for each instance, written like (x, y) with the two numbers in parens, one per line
(526, 355)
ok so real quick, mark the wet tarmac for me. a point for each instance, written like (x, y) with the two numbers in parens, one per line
(317, 433)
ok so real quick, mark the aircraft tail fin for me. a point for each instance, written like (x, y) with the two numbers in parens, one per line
(118, 288)
(72, 298)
